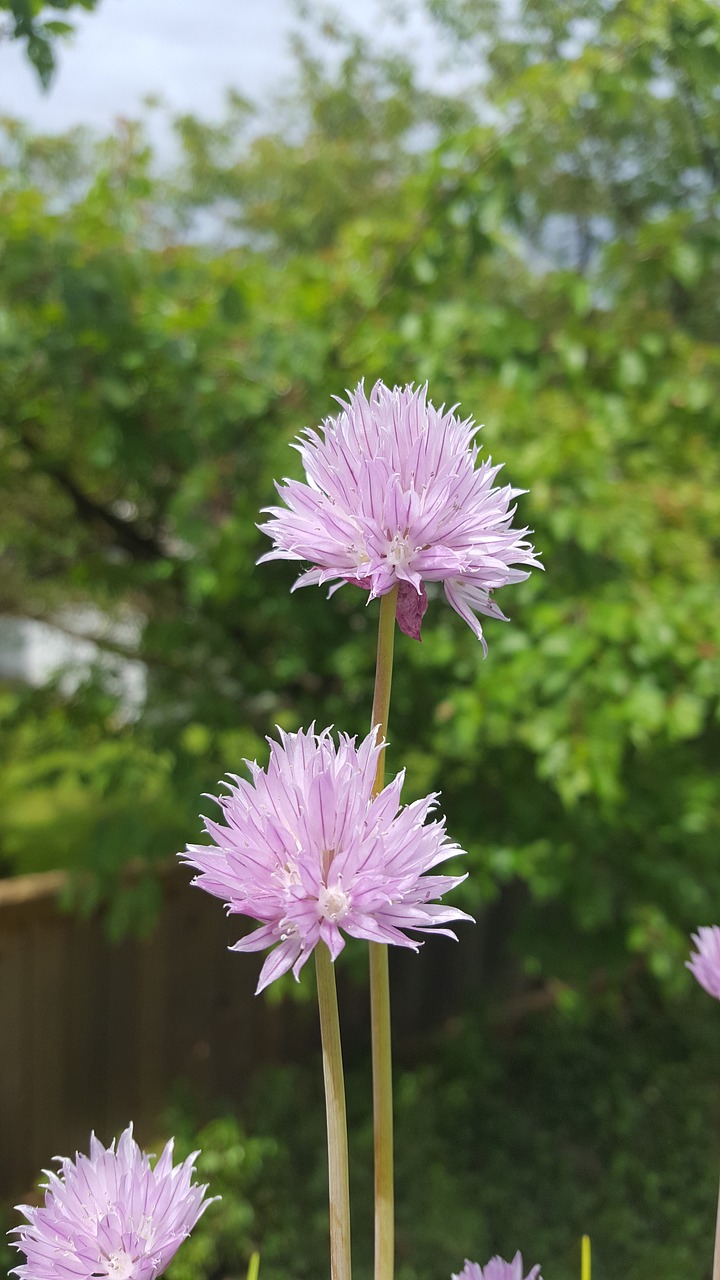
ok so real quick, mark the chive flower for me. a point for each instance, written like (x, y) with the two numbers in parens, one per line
(308, 852)
(110, 1215)
(393, 496)
(497, 1269)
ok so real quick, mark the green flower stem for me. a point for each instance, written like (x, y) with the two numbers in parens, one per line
(380, 986)
(716, 1255)
(383, 675)
(382, 1112)
(338, 1176)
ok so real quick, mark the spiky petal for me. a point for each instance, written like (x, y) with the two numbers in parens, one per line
(704, 963)
(309, 853)
(393, 495)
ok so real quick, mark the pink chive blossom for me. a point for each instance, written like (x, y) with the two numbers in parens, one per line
(393, 496)
(496, 1269)
(704, 964)
(308, 852)
(110, 1215)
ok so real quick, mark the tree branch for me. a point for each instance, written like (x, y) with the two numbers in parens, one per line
(139, 545)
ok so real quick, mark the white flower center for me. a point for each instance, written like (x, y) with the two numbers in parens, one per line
(120, 1266)
(399, 550)
(333, 904)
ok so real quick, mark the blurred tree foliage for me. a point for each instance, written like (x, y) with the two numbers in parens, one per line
(29, 21)
(547, 253)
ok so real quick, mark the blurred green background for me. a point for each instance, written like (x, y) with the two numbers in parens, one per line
(545, 250)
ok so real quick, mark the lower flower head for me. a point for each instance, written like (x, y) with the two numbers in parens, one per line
(497, 1269)
(308, 852)
(704, 963)
(110, 1215)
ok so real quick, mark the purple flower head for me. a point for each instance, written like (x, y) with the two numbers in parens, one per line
(308, 852)
(110, 1215)
(496, 1269)
(704, 964)
(393, 496)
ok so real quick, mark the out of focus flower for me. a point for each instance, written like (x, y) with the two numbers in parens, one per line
(496, 1269)
(394, 496)
(308, 852)
(110, 1214)
(705, 962)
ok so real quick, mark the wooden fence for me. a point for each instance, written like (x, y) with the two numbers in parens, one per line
(95, 1033)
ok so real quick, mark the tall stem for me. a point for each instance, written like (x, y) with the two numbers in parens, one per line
(380, 986)
(338, 1181)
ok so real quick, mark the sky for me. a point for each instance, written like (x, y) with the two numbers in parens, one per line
(187, 51)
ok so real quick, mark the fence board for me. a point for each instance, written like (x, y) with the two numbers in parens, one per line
(15, 950)
(46, 1064)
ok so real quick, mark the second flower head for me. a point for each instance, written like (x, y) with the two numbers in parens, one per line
(308, 852)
